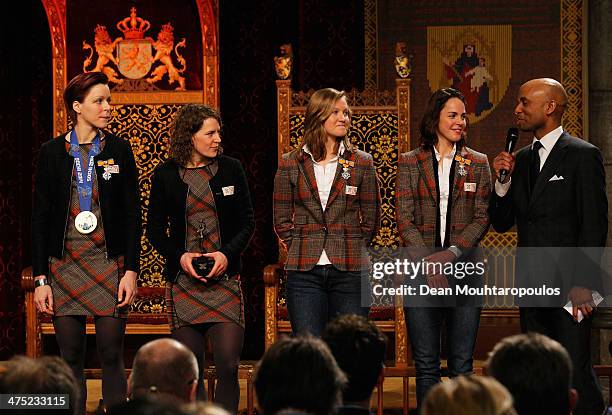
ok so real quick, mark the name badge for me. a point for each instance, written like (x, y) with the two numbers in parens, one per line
(227, 190)
(469, 187)
(351, 190)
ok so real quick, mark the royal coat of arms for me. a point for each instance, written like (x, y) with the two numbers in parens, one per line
(134, 57)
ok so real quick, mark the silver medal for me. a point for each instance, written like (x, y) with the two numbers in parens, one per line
(85, 222)
(345, 173)
(461, 170)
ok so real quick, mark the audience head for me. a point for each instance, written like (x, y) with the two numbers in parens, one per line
(538, 373)
(298, 373)
(327, 116)
(468, 395)
(164, 369)
(204, 408)
(145, 406)
(444, 117)
(47, 374)
(359, 348)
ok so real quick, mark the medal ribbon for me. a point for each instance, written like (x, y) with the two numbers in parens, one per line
(84, 183)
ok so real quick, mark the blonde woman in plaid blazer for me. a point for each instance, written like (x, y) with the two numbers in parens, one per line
(442, 197)
(326, 211)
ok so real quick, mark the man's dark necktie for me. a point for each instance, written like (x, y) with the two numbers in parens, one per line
(534, 167)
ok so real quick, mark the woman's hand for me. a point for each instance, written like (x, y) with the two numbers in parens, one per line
(43, 299)
(127, 289)
(434, 266)
(220, 263)
(437, 281)
(187, 266)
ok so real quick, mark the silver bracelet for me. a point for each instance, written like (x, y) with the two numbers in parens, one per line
(40, 282)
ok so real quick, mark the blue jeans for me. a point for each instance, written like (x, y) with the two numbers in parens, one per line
(424, 326)
(317, 296)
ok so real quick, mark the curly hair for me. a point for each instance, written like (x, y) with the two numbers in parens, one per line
(187, 122)
(431, 118)
(318, 110)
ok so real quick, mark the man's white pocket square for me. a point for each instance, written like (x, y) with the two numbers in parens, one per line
(555, 178)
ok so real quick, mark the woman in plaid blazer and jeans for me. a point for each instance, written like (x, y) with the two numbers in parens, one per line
(442, 197)
(326, 211)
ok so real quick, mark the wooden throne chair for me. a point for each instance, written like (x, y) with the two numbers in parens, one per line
(380, 126)
(142, 112)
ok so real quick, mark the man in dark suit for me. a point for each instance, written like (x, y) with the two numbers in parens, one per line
(555, 193)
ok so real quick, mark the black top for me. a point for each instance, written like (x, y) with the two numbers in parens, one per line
(449, 210)
(567, 207)
(118, 198)
(168, 205)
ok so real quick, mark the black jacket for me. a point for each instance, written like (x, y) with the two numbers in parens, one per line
(168, 204)
(118, 197)
(567, 210)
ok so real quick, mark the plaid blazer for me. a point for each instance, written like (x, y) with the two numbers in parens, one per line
(417, 199)
(346, 226)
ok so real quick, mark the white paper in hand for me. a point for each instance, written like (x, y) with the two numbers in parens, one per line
(597, 298)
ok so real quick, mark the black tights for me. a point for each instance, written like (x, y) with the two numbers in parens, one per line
(226, 339)
(72, 340)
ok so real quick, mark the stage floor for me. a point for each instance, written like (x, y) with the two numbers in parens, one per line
(392, 396)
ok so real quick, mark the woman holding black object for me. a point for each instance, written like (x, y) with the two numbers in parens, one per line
(86, 234)
(204, 196)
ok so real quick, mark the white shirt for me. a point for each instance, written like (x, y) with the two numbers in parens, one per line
(444, 184)
(548, 142)
(325, 174)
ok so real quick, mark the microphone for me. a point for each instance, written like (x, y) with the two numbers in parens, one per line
(511, 139)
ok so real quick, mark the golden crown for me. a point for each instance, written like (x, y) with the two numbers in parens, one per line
(168, 28)
(133, 27)
(101, 34)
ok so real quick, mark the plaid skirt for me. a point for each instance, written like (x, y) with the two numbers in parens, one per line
(84, 281)
(190, 301)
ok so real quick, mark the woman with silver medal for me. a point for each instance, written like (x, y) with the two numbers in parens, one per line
(86, 235)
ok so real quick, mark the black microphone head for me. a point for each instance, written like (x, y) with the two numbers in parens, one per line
(511, 139)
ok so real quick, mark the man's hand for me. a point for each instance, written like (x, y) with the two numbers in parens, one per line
(503, 161)
(582, 299)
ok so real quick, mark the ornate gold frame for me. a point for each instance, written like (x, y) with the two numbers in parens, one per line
(56, 15)
(574, 65)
